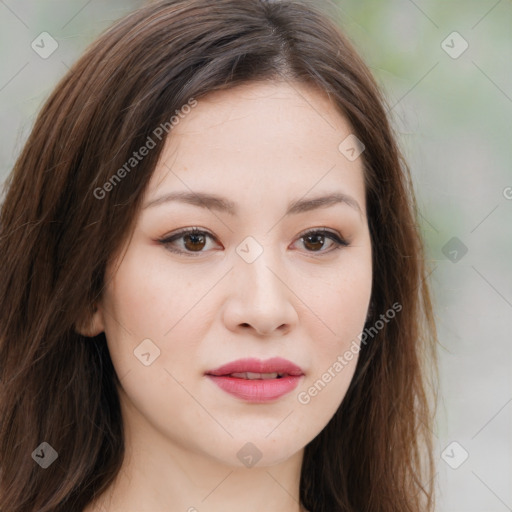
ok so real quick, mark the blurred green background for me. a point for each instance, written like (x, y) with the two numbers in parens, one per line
(446, 70)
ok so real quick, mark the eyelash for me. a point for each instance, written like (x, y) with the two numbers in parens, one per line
(338, 240)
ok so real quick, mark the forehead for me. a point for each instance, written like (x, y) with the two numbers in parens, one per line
(262, 136)
(267, 111)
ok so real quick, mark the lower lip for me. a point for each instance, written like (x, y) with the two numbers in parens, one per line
(257, 390)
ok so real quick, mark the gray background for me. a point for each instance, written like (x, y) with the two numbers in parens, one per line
(453, 117)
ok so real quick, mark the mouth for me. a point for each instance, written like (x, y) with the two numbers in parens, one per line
(253, 380)
(256, 376)
(257, 369)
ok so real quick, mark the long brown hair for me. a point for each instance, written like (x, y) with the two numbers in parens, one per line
(57, 236)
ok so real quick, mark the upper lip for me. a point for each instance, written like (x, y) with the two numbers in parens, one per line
(274, 365)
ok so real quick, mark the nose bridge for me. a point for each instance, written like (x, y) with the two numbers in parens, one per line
(256, 266)
(258, 296)
(261, 297)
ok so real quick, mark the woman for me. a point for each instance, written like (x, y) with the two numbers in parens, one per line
(213, 293)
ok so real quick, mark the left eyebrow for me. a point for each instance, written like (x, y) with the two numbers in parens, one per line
(222, 204)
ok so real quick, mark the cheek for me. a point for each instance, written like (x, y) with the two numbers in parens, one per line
(340, 301)
(335, 352)
(141, 297)
(151, 308)
(341, 305)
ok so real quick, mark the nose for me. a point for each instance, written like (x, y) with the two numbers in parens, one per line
(260, 297)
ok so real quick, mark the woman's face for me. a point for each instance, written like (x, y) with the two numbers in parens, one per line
(252, 284)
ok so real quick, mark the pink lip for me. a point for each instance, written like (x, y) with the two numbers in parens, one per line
(276, 364)
(257, 390)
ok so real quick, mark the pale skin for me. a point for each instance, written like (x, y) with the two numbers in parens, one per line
(261, 146)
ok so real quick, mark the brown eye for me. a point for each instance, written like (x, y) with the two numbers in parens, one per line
(193, 241)
(314, 241)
